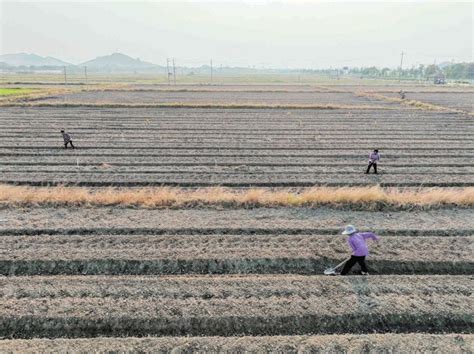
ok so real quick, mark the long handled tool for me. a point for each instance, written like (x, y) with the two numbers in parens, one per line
(333, 270)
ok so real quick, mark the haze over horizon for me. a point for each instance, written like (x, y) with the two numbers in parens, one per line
(264, 34)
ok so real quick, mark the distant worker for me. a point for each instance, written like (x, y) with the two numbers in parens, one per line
(67, 139)
(374, 157)
(359, 248)
(402, 94)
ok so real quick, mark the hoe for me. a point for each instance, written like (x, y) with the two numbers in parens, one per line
(333, 270)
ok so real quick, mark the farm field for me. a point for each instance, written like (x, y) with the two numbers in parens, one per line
(254, 96)
(231, 305)
(458, 100)
(290, 344)
(112, 258)
(215, 147)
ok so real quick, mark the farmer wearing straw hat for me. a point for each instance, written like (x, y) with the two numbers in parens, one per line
(359, 248)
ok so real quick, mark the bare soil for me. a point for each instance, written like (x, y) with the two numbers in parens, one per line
(254, 218)
(61, 252)
(458, 100)
(393, 343)
(223, 97)
(323, 147)
(289, 304)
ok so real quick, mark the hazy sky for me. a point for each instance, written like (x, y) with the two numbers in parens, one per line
(307, 34)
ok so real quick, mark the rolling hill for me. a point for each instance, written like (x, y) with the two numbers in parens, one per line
(26, 59)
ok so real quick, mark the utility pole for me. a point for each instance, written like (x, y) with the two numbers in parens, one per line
(174, 73)
(65, 76)
(85, 73)
(401, 67)
(211, 71)
(168, 69)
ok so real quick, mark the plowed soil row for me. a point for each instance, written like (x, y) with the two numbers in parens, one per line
(323, 220)
(165, 114)
(235, 169)
(220, 97)
(273, 305)
(393, 343)
(458, 100)
(119, 133)
(312, 139)
(86, 179)
(271, 162)
(221, 253)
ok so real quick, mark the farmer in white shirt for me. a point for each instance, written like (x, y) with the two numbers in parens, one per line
(374, 157)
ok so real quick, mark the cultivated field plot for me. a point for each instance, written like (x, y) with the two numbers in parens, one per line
(112, 240)
(180, 254)
(77, 275)
(230, 305)
(458, 100)
(208, 147)
(217, 97)
(393, 343)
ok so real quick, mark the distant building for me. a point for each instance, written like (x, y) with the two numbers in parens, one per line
(439, 79)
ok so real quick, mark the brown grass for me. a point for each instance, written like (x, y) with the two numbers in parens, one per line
(178, 197)
(411, 103)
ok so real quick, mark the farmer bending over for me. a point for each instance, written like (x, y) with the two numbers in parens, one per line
(359, 248)
(67, 139)
(373, 158)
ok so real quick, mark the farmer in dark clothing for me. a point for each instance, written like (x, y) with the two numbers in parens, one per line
(374, 157)
(359, 248)
(67, 139)
(402, 94)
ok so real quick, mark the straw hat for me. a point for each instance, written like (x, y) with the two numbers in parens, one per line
(349, 230)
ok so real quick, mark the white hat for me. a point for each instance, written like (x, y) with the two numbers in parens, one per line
(350, 229)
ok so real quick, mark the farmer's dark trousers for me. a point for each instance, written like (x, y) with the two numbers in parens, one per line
(350, 263)
(68, 142)
(370, 165)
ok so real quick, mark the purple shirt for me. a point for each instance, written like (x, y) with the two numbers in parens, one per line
(358, 245)
(374, 157)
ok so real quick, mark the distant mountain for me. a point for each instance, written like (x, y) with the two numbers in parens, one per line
(25, 59)
(119, 62)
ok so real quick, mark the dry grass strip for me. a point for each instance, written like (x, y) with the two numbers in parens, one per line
(217, 196)
(411, 103)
